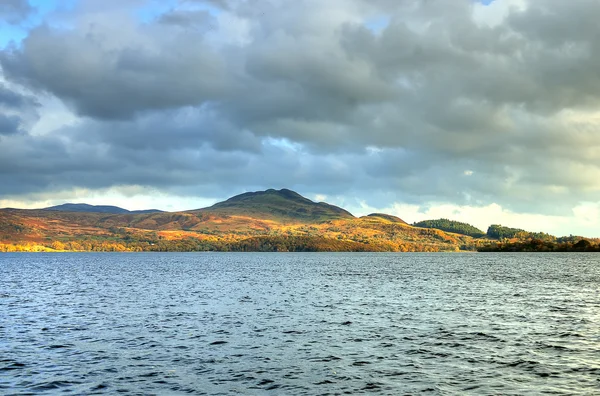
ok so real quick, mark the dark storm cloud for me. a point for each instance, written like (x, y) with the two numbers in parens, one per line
(101, 77)
(167, 130)
(14, 11)
(17, 111)
(13, 100)
(93, 164)
(427, 103)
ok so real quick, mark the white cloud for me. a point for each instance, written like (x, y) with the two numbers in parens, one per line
(588, 214)
(320, 198)
(127, 197)
(494, 13)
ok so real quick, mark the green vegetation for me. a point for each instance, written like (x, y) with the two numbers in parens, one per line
(451, 226)
(517, 240)
(499, 232)
(538, 245)
(305, 244)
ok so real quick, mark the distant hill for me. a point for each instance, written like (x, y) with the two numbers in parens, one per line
(81, 207)
(452, 226)
(271, 220)
(393, 219)
(280, 205)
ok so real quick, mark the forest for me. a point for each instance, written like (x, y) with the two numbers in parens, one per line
(538, 245)
(451, 226)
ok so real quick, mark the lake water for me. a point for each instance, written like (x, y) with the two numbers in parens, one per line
(293, 324)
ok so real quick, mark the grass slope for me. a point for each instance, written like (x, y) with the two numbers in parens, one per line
(393, 219)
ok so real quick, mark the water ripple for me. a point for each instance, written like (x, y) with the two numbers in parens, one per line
(299, 324)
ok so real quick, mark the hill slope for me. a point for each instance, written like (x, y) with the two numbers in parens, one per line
(281, 205)
(391, 218)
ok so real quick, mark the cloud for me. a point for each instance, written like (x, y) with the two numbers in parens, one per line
(13, 100)
(116, 71)
(9, 124)
(460, 104)
(200, 19)
(219, 4)
(17, 111)
(15, 11)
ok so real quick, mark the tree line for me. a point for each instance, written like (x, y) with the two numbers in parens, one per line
(538, 245)
(456, 227)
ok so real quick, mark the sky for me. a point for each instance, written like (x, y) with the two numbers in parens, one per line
(485, 112)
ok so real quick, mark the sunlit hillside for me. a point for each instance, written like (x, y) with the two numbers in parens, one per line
(271, 220)
(267, 220)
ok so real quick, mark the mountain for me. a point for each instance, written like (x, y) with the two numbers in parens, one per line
(271, 220)
(81, 207)
(280, 205)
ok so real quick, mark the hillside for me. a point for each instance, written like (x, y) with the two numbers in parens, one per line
(393, 219)
(281, 205)
(271, 220)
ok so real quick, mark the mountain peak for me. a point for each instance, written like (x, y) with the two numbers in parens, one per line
(284, 193)
(281, 204)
